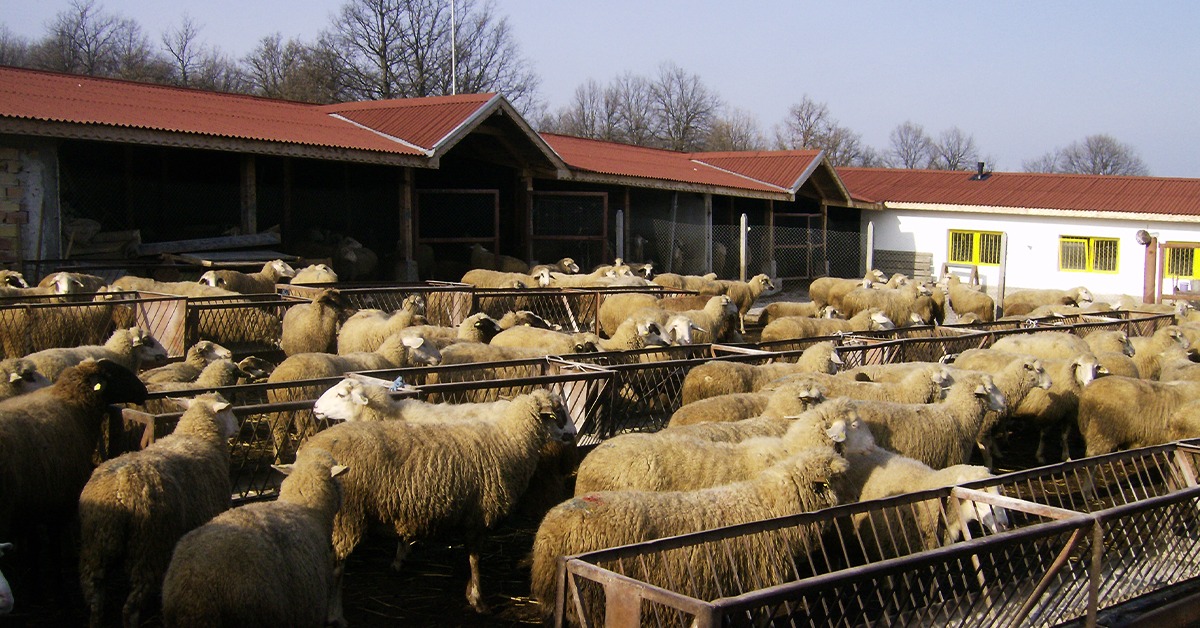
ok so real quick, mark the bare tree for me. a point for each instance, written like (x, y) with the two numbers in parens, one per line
(184, 50)
(954, 150)
(685, 106)
(488, 57)
(14, 49)
(85, 39)
(636, 122)
(807, 124)
(910, 148)
(592, 113)
(735, 131)
(1095, 154)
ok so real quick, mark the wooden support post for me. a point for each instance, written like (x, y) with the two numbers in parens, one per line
(249, 195)
(1150, 285)
(288, 237)
(708, 235)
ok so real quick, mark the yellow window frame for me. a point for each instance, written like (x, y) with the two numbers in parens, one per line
(974, 247)
(1083, 254)
(1176, 257)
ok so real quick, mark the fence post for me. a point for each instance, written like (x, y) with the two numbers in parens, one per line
(743, 236)
(870, 249)
(1003, 274)
(671, 245)
(620, 234)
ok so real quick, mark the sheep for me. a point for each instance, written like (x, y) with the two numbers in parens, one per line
(806, 309)
(965, 299)
(745, 293)
(720, 377)
(476, 328)
(367, 329)
(1175, 364)
(524, 317)
(19, 376)
(484, 278)
(633, 334)
(1184, 422)
(566, 266)
(218, 373)
(313, 274)
(1044, 344)
(1025, 301)
(1015, 382)
(548, 340)
(6, 594)
(484, 259)
(136, 506)
(198, 356)
(1148, 351)
(1123, 412)
(938, 434)
(131, 283)
(617, 307)
(923, 385)
(352, 261)
(490, 463)
(694, 283)
(830, 290)
(798, 327)
(256, 369)
(907, 305)
(313, 327)
(783, 406)
(718, 320)
(733, 407)
(1049, 410)
(130, 348)
(71, 283)
(65, 419)
(1115, 341)
(279, 550)
(612, 518)
(12, 279)
(665, 461)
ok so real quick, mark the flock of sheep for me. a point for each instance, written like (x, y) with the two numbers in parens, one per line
(750, 442)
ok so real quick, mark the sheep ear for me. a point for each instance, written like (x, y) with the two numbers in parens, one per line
(285, 469)
(221, 406)
(14, 377)
(413, 342)
(357, 396)
(184, 402)
(337, 470)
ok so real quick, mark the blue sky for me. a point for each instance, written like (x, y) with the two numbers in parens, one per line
(1023, 78)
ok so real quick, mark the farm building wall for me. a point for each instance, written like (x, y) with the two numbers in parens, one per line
(1033, 245)
(29, 217)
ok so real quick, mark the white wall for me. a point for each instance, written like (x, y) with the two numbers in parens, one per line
(1032, 245)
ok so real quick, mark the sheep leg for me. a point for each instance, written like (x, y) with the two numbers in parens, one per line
(336, 618)
(474, 593)
(403, 547)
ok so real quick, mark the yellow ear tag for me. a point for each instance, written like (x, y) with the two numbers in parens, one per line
(98, 386)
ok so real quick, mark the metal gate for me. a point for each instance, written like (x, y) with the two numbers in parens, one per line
(570, 224)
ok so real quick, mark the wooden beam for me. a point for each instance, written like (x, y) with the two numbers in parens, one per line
(267, 238)
(249, 195)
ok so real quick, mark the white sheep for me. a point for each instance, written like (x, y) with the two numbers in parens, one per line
(137, 505)
(703, 284)
(69, 283)
(476, 328)
(12, 278)
(633, 334)
(548, 340)
(281, 550)
(666, 461)
(19, 376)
(720, 377)
(1044, 344)
(1015, 382)
(131, 348)
(133, 283)
(1123, 412)
(197, 357)
(1148, 351)
(485, 259)
(367, 329)
(718, 320)
(566, 265)
(1024, 301)
(313, 274)
(353, 261)
(830, 290)
(617, 307)
(938, 434)
(65, 418)
(738, 406)
(218, 373)
(313, 326)
(922, 385)
(605, 519)
(484, 278)
(800, 327)
(6, 594)
(909, 304)
(965, 299)
(745, 293)
(490, 461)
(807, 309)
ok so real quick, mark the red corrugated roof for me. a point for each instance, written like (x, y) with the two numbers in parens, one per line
(1153, 195)
(653, 163)
(35, 95)
(784, 168)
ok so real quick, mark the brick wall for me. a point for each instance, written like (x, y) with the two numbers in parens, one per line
(11, 214)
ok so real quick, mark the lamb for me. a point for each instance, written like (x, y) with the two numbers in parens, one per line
(938, 434)
(907, 305)
(137, 505)
(367, 329)
(923, 385)
(745, 293)
(491, 462)
(665, 461)
(806, 309)
(313, 327)
(1025, 301)
(65, 418)
(735, 407)
(550, 341)
(19, 376)
(798, 328)
(198, 356)
(283, 547)
(74, 283)
(130, 348)
(830, 290)
(314, 273)
(1051, 410)
(524, 317)
(484, 259)
(6, 594)
(613, 518)
(965, 299)
(1123, 412)
(720, 377)
(566, 266)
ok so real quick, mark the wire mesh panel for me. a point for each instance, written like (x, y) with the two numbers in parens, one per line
(572, 310)
(242, 324)
(445, 304)
(34, 324)
(570, 224)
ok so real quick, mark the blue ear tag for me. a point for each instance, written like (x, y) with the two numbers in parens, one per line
(397, 384)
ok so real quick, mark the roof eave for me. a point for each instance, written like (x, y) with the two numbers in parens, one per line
(174, 139)
(496, 103)
(1040, 211)
(674, 186)
(823, 161)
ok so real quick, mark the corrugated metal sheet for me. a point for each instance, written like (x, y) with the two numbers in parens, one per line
(784, 168)
(652, 163)
(1151, 195)
(420, 121)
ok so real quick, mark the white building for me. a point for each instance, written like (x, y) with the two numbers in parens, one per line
(1103, 232)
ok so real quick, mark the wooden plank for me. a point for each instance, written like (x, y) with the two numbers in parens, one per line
(266, 238)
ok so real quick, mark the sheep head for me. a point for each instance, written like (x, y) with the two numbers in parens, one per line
(567, 265)
(211, 351)
(216, 406)
(102, 380)
(343, 401)
(13, 279)
(278, 268)
(146, 348)
(987, 390)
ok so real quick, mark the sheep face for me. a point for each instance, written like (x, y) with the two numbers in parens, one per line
(879, 320)
(342, 402)
(147, 349)
(6, 594)
(421, 352)
(211, 351)
(554, 415)
(1037, 370)
(679, 330)
(765, 283)
(257, 368)
(567, 265)
(110, 381)
(544, 276)
(414, 303)
(25, 377)
(221, 410)
(280, 268)
(1086, 370)
(210, 278)
(13, 278)
(995, 399)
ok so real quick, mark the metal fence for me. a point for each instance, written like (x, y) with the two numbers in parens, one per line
(1079, 537)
